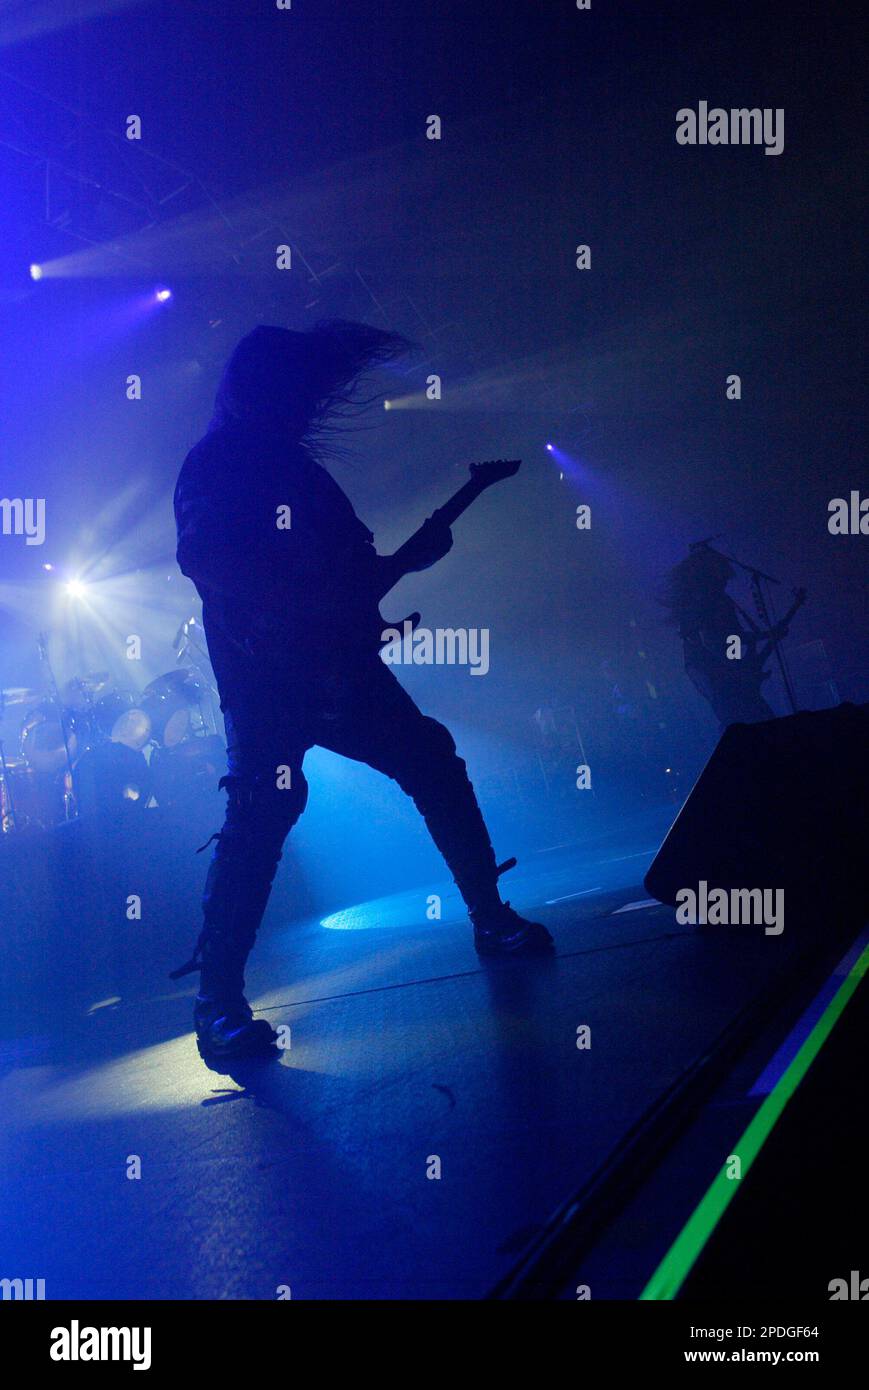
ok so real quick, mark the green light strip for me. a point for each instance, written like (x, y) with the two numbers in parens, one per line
(676, 1265)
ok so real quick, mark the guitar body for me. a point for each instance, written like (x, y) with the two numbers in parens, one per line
(733, 688)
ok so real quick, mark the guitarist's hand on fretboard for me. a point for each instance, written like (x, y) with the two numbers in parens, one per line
(434, 538)
(426, 546)
(780, 631)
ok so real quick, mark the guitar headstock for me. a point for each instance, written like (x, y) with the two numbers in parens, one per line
(487, 473)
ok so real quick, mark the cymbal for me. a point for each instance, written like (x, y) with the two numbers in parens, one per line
(85, 687)
(20, 695)
(93, 681)
(180, 682)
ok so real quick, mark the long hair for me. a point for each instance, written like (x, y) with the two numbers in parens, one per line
(306, 385)
(688, 586)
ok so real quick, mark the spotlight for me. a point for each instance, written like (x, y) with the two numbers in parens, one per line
(163, 295)
(76, 589)
(549, 447)
(36, 272)
(387, 405)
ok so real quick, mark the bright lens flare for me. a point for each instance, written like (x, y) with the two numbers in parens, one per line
(76, 589)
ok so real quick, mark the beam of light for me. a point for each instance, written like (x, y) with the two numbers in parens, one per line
(164, 1077)
(93, 627)
(168, 1076)
(590, 485)
(401, 960)
(688, 1246)
(36, 272)
(39, 17)
(105, 321)
(109, 321)
(398, 910)
(418, 400)
(348, 196)
(569, 465)
(215, 235)
(118, 578)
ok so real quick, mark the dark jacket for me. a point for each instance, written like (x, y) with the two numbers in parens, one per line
(287, 597)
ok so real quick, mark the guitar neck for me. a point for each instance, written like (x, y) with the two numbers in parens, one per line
(460, 501)
(793, 610)
(763, 650)
(483, 475)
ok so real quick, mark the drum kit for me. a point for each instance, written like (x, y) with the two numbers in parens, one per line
(93, 747)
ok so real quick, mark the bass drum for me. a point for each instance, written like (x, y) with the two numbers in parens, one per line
(120, 718)
(41, 738)
(169, 702)
(29, 800)
(112, 781)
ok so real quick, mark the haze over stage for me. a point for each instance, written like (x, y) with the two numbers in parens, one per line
(619, 241)
(312, 1172)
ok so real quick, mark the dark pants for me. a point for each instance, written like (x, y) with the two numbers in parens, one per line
(363, 714)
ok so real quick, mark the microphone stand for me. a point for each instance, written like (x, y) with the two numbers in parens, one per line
(69, 804)
(763, 610)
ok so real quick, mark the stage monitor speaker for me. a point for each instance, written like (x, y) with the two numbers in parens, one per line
(781, 804)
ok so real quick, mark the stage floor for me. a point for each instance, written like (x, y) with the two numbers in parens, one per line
(408, 1057)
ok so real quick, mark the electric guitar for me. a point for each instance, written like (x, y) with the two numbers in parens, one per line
(483, 476)
(764, 643)
(354, 619)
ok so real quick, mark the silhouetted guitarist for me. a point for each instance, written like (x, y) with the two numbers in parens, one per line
(708, 620)
(290, 583)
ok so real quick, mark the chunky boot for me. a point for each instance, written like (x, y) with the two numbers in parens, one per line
(500, 931)
(236, 892)
(225, 1025)
(226, 1030)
